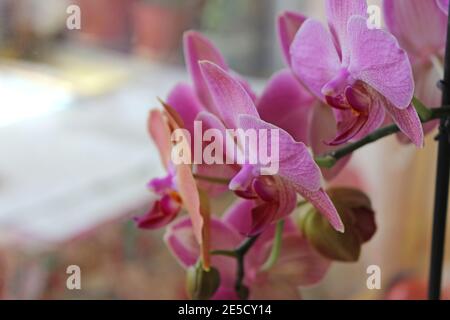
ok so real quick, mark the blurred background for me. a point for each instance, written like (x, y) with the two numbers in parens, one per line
(75, 156)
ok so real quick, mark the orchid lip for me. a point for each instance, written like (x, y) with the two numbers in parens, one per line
(338, 84)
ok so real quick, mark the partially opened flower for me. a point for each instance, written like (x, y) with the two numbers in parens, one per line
(297, 265)
(296, 170)
(420, 27)
(361, 72)
(176, 190)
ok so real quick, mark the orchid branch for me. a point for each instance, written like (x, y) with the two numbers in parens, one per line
(239, 254)
(329, 159)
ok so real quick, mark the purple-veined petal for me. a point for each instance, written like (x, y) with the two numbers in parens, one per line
(229, 96)
(321, 201)
(338, 14)
(295, 162)
(443, 5)
(185, 101)
(197, 48)
(323, 128)
(287, 104)
(313, 41)
(419, 26)
(408, 121)
(348, 126)
(288, 24)
(377, 60)
(374, 121)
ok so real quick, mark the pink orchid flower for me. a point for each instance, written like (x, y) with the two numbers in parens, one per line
(443, 5)
(275, 195)
(286, 103)
(420, 27)
(298, 263)
(188, 100)
(360, 72)
(178, 189)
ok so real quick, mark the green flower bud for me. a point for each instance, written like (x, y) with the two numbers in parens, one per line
(202, 284)
(356, 213)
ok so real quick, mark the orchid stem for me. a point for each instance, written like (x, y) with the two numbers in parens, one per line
(239, 254)
(442, 186)
(329, 159)
(276, 247)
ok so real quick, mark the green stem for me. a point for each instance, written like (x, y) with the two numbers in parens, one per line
(276, 247)
(329, 159)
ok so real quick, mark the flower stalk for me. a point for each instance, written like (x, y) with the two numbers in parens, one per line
(442, 187)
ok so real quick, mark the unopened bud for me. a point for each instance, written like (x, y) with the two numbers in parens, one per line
(202, 284)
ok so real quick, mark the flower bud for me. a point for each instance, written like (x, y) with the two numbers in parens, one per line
(202, 284)
(356, 213)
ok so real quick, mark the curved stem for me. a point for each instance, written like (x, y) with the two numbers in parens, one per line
(276, 247)
(329, 159)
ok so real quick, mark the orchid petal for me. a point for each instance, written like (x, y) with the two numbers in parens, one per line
(408, 121)
(160, 133)
(162, 213)
(288, 24)
(197, 48)
(443, 5)
(188, 191)
(185, 101)
(323, 128)
(229, 96)
(287, 104)
(313, 41)
(295, 164)
(419, 26)
(338, 14)
(321, 201)
(377, 60)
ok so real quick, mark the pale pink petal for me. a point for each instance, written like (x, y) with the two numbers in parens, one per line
(408, 122)
(295, 162)
(419, 26)
(229, 96)
(298, 265)
(185, 101)
(377, 60)
(188, 191)
(288, 24)
(323, 128)
(443, 5)
(338, 14)
(160, 133)
(315, 60)
(197, 48)
(321, 201)
(285, 103)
